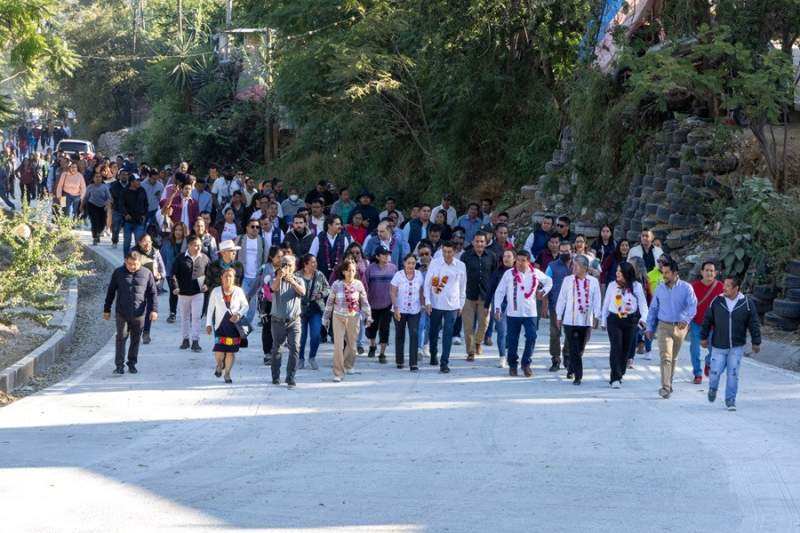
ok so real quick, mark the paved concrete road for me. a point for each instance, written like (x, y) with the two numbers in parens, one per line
(175, 449)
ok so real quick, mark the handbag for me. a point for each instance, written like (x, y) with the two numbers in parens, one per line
(242, 330)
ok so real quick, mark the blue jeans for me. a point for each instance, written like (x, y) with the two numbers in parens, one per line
(151, 217)
(641, 337)
(514, 324)
(437, 317)
(501, 327)
(490, 325)
(73, 205)
(117, 221)
(362, 333)
(311, 327)
(721, 360)
(131, 229)
(247, 286)
(424, 323)
(694, 348)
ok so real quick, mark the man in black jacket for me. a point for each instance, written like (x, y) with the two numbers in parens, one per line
(189, 280)
(134, 212)
(481, 265)
(136, 293)
(730, 316)
(299, 238)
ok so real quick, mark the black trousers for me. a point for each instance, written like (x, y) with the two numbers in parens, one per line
(621, 332)
(381, 320)
(128, 327)
(97, 218)
(266, 328)
(576, 342)
(173, 298)
(28, 191)
(412, 323)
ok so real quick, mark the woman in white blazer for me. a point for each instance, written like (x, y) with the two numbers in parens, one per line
(226, 306)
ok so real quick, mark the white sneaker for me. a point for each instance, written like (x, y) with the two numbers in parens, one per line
(458, 341)
(648, 355)
(337, 379)
(426, 352)
(616, 385)
(350, 371)
(503, 363)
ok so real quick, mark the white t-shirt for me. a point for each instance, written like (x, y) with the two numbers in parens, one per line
(228, 231)
(224, 189)
(408, 292)
(251, 261)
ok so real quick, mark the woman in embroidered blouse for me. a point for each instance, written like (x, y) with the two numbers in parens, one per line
(347, 300)
(406, 293)
(624, 310)
(227, 305)
(356, 252)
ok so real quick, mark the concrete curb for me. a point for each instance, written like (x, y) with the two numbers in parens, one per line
(36, 362)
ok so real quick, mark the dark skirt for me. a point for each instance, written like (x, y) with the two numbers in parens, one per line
(226, 336)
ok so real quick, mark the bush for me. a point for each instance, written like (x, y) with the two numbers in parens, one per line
(36, 255)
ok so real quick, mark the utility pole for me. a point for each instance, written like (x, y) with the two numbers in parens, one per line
(180, 19)
(228, 14)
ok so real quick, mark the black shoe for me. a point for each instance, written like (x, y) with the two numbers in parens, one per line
(132, 369)
(228, 380)
(290, 384)
(217, 372)
(401, 366)
(445, 370)
(434, 361)
(119, 370)
(267, 360)
(196, 346)
(527, 371)
(570, 375)
(382, 359)
(554, 367)
(146, 337)
(276, 382)
(171, 318)
(512, 372)
(414, 369)
(360, 350)
(371, 351)
(185, 344)
(576, 382)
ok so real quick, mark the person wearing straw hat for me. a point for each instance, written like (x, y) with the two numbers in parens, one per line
(226, 260)
(227, 305)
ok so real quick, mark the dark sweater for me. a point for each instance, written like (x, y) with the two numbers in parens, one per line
(479, 273)
(215, 270)
(134, 205)
(135, 292)
(189, 276)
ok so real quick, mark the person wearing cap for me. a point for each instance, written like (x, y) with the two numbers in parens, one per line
(134, 212)
(451, 217)
(578, 310)
(379, 279)
(226, 260)
(367, 210)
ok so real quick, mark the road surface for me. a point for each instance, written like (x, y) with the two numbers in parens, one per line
(175, 449)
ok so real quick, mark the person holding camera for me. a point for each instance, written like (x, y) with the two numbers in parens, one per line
(312, 306)
(288, 290)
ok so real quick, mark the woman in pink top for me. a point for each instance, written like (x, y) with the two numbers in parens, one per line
(73, 186)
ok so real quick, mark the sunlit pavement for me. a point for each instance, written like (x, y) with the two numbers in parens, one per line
(174, 448)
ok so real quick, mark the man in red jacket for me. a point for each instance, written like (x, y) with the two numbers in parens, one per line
(705, 289)
(181, 207)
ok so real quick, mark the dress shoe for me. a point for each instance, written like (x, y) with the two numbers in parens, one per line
(434, 360)
(512, 372)
(445, 370)
(290, 384)
(706, 370)
(119, 370)
(146, 337)
(382, 359)
(372, 350)
(554, 367)
(415, 369)
(570, 375)
(471, 357)
(527, 371)
(360, 350)
(576, 382)
(276, 382)
(267, 360)
(171, 318)
(196, 346)
(185, 344)
(132, 369)
(698, 380)
(478, 349)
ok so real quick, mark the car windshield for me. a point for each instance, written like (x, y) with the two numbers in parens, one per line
(73, 146)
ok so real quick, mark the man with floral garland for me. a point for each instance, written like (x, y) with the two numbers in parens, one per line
(445, 292)
(519, 287)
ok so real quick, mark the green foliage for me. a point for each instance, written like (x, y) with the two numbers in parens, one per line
(37, 256)
(757, 231)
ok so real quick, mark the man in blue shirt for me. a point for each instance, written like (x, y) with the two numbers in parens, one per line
(472, 222)
(672, 308)
(200, 194)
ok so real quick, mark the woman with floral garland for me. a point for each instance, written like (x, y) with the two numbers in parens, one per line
(519, 287)
(624, 310)
(347, 300)
(578, 310)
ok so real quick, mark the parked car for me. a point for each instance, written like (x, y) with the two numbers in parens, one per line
(76, 146)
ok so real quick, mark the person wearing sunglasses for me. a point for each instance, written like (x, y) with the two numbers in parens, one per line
(562, 228)
(252, 255)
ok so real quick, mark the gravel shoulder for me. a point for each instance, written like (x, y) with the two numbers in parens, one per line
(91, 332)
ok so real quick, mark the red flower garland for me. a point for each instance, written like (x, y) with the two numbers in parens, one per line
(351, 298)
(518, 281)
(581, 308)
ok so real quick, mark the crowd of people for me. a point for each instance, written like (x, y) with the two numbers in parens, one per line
(237, 254)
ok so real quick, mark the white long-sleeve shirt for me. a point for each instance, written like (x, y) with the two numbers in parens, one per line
(572, 297)
(626, 302)
(521, 307)
(453, 292)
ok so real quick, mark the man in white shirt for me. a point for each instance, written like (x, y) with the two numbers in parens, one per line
(445, 294)
(578, 309)
(272, 235)
(251, 255)
(645, 249)
(317, 217)
(391, 205)
(223, 189)
(451, 216)
(520, 287)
